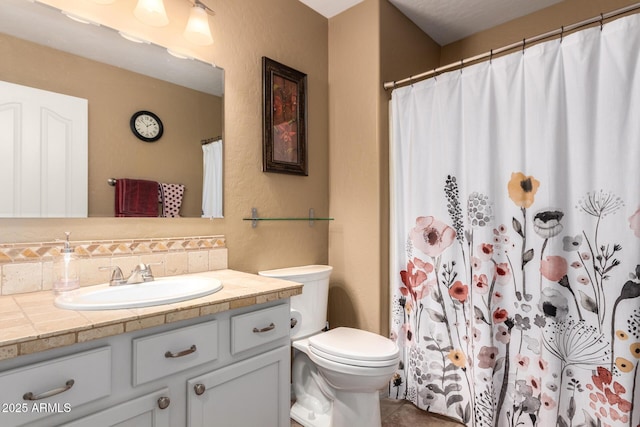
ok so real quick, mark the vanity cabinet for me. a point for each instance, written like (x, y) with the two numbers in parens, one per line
(151, 410)
(227, 369)
(262, 381)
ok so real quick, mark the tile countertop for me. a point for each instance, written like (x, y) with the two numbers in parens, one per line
(30, 323)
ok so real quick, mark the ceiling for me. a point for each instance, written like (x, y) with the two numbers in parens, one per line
(446, 21)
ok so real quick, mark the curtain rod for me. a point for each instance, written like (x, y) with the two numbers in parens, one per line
(210, 140)
(560, 31)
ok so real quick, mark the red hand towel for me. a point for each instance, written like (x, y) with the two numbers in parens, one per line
(136, 197)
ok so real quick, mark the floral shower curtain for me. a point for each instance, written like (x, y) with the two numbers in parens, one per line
(515, 271)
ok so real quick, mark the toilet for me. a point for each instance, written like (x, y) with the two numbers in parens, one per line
(336, 374)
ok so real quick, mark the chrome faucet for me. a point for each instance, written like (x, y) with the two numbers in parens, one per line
(141, 273)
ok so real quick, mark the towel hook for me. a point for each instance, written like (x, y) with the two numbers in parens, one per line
(524, 43)
(561, 33)
(490, 56)
(601, 21)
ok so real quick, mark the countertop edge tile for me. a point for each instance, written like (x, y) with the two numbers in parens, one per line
(37, 337)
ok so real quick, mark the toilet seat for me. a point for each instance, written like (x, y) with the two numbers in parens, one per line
(354, 347)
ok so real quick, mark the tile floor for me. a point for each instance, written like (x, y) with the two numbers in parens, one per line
(400, 413)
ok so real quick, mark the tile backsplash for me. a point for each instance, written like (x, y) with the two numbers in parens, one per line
(28, 267)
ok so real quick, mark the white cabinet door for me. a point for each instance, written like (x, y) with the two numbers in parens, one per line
(43, 153)
(253, 392)
(146, 411)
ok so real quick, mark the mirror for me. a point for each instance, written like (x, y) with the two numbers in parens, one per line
(118, 77)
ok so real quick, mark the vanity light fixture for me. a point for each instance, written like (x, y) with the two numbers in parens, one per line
(151, 12)
(133, 38)
(197, 30)
(79, 19)
(178, 54)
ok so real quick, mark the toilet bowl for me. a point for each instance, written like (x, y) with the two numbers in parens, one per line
(337, 374)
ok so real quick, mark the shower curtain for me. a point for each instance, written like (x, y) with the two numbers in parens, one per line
(212, 180)
(515, 233)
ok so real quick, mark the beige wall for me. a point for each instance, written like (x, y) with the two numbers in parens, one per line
(565, 13)
(114, 94)
(368, 43)
(244, 30)
(354, 236)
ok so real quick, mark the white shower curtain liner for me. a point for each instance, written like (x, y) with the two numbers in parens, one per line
(515, 266)
(212, 180)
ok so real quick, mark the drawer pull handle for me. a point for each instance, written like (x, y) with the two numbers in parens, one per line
(265, 329)
(163, 402)
(31, 396)
(199, 389)
(190, 350)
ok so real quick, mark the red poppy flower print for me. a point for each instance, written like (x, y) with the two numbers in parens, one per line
(485, 251)
(414, 280)
(500, 315)
(503, 273)
(459, 291)
(553, 268)
(432, 236)
(481, 284)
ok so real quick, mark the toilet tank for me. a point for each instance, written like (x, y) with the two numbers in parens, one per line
(312, 304)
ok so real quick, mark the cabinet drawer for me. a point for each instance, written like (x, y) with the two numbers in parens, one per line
(259, 327)
(55, 386)
(163, 354)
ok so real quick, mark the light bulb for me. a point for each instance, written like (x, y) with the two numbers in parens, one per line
(151, 12)
(197, 30)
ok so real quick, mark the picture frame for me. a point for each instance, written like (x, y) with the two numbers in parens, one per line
(284, 134)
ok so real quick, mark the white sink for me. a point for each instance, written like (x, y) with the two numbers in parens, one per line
(163, 290)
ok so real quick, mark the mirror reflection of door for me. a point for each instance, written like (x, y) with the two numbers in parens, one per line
(118, 79)
(43, 153)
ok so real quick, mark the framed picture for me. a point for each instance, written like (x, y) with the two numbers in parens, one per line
(284, 136)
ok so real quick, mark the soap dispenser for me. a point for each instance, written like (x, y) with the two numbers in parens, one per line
(65, 269)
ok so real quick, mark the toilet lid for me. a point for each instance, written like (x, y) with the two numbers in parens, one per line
(354, 347)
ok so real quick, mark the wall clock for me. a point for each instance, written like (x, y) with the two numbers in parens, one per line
(146, 126)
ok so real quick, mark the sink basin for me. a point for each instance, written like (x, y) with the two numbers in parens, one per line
(163, 290)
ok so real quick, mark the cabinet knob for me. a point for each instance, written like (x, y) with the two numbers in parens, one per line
(163, 402)
(199, 389)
